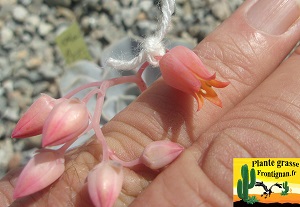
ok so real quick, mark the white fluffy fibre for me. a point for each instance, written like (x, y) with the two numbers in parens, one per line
(152, 46)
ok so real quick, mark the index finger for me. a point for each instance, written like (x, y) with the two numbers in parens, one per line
(241, 50)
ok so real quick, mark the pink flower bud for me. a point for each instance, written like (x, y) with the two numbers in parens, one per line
(105, 183)
(32, 121)
(182, 69)
(42, 170)
(66, 121)
(160, 153)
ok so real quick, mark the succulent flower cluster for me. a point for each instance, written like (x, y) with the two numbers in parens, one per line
(61, 121)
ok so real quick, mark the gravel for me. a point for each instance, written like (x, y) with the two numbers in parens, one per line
(31, 63)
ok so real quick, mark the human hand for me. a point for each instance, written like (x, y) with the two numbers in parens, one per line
(260, 111)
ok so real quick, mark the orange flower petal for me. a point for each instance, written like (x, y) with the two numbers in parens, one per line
(200, 100)
(218, 84)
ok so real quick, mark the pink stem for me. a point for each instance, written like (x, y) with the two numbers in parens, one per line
(128, 164)
(103, 86)
(134, 78)
(96, 120)
(80, 88)
(90, 95)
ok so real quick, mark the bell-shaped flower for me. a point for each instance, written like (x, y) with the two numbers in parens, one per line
(41, 171)
(105, 183)
(182, 69)
(66, 122)
(31, 123)
(158, 154)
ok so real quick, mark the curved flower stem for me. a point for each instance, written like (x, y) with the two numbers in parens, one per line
(137, 78)
(128, 164)
(96, 119)
(64, 148)
(90, 95)
(80, 88)
(142, 69)
(101, 91)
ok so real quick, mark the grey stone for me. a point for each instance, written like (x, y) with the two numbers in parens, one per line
(65, 3)
(38, 44)
(146, 5)
(40, 87)
(34, 76)
(33, 62)
(196, 4)
(8, 85)
(20, 13)
(154, 14)
(33, 20)
(6, 35)
(146, 27)
(89, 22)
(129, 15)
(25, 2)
(26, 37)
(103, 21)
(112, 33)
(5, 70)
(6, 152)
(50, 71)
(24, 86)
(12, 113)
(221, 10)
(113, 7)
(126, 3)
(66, 13)
(7, 2)
(3, 105)
(2, 128)
(44, 28)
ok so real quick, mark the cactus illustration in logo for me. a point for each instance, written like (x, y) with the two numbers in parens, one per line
(243, 184)
(286, 188)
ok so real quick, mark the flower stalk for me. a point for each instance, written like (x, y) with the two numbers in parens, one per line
(62, 121)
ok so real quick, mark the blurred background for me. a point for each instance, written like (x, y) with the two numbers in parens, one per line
(31, 62)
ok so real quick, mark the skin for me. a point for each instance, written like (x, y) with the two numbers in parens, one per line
(260, 118)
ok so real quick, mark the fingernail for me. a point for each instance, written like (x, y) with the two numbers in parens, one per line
(274, 16)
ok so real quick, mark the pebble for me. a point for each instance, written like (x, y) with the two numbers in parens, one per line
(129, 15)
(221, 10)
(6, 153)
(33, 20)
(112, 6)
(5, 70)
(50, 71)
(44, 28)
(24, 86)
(33, 63)
(2, 128)
(6, 35)
(65, 3)
(7, 2)
(20, 13)
(25, 2)
(146, 6)
(40, 87)
(11, 114)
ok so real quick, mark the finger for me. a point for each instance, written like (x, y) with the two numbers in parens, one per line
(247, 47)
(265, 124)
(7, 184)
(183, 183)
(239, 50)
